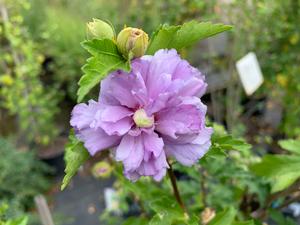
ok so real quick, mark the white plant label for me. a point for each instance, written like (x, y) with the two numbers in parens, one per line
(111, 200)
(250, 73)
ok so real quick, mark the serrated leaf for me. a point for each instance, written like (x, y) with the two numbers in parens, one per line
(167, 210)
(227, 142)
(249, 222)
(135, 221)
(224, 218)
(160, 219)
(179, 37)
(106, 58)
(283, 170)
(290, 145)
(162, 38)
(223, 143)
(75, 156)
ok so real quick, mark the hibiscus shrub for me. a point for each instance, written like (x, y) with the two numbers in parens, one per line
(150, 117)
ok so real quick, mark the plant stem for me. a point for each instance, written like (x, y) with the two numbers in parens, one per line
(175, 188)
(203, 188)
(262, 213)
(289, 201)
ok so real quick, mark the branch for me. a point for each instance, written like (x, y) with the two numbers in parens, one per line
(175, 188)
(262, 212)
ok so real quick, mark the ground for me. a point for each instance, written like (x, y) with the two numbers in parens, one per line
(82, 202)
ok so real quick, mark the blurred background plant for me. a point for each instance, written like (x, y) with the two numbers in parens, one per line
(268, 28)
(5, 220)
(23, 93)
(22, 176)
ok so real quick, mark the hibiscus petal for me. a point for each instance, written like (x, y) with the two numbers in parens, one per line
(163, 62)
(131, 152)
(97, 140)
(159, 84)
(160, 175)
(132, 175)
(179, 120)
(114, 113)
(153, 143)
(125, 147)
(83, 114)
(189, 153)
(119, 128)
(193, 87)
(123, 88)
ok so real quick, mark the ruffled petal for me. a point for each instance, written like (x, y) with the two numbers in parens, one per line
(142, 156)
(153, 143)
(115, 113)
(121, 88)
(185, 118)
(83, 114)
(130, 152)
(189, 153)
(193, 87)
(155, 167)
(163, 62)
(119, 128)
(96, 140)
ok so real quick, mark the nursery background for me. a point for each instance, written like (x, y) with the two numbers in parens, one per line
(251, 174)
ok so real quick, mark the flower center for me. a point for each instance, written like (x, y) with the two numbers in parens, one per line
(141, 119)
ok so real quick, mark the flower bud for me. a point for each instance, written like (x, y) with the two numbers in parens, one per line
(100, 29)
(132, 42)
(102, 170)
(141, 119)
(207, 215)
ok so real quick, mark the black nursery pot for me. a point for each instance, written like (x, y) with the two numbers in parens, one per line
(57, 163)
(53, 155)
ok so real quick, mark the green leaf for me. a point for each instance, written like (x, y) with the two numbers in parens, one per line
(223, 143)
(224, 218)
(290, 145)
(193, 220)
(75, 156)
(162, 38)
(283, 170)
(279, 218)
(281, 182)
(20, 221)
(160, 219)
(105, 59)
(249, 222)
(168, 211)
(179, 37)
(135, 221)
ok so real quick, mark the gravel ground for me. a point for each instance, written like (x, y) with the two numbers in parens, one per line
(81, 203)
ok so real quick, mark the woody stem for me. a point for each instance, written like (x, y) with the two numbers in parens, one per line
(175, 188)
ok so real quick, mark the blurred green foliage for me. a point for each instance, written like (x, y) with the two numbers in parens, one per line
(270, 29)
(59, 26)
(282, 170)
(22, 176)
(222, 181)
(22, 220)
(23, 92)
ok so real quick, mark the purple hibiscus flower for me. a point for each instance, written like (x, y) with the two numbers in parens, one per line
(147, 115)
